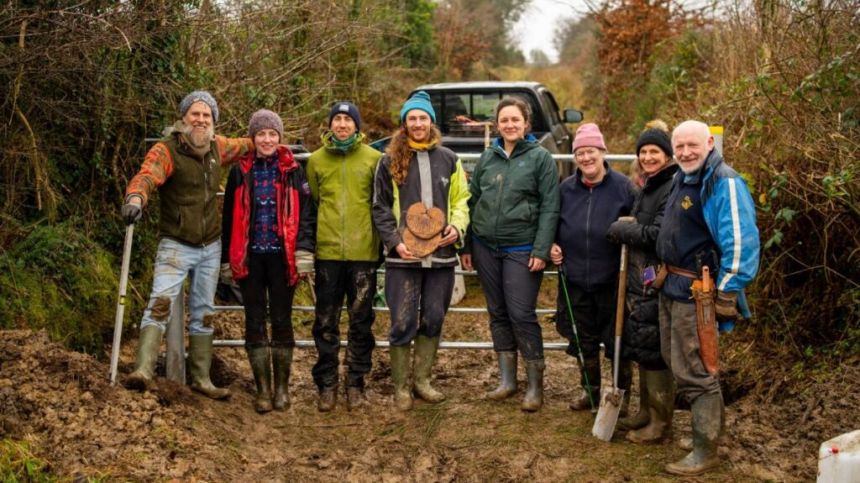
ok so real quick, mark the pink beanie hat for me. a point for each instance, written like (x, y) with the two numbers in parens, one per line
(588, 135)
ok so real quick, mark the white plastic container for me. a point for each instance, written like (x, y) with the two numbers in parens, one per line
(839, 459)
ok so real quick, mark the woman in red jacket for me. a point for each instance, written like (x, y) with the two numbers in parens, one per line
(271, 243)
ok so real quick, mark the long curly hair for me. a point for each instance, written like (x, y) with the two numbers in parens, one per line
(400, 153)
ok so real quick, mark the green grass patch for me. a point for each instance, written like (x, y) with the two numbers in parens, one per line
(18, 464)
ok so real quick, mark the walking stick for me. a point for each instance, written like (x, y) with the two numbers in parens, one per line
(120, 305)
(563, 277)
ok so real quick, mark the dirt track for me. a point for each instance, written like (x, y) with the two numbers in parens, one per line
(60, 402)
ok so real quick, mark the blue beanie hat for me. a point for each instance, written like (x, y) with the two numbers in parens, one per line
(199, 96)
(348, 108)
(419, 100)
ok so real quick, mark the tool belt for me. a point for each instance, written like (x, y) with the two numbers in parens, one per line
(704, 293)
(423, 231)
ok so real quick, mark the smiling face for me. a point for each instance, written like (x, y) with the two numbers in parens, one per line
(652, 159)
(692, 143)
(418, 125)
(512, 124)
(589, 161)
(266, 142)
(342, 126)
(198, 116)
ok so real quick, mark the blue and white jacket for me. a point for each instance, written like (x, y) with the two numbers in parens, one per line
(728, 212)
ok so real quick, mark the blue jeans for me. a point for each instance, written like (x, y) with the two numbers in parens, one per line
(174, 262)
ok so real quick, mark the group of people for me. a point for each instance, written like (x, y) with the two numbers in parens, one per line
(684, 214)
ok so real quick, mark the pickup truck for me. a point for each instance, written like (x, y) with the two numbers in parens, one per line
(465, 112)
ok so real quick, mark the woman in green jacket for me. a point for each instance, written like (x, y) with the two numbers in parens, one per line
(514, 212)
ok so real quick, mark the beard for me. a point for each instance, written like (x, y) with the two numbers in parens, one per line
(199, 141)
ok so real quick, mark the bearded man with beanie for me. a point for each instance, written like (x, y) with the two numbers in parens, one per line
(709, 221)
(420, 208)
(340, 174)
(185, 169)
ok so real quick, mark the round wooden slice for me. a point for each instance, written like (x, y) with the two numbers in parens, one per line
(424, 223)
(421, 247)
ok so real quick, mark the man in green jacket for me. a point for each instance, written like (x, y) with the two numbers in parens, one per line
(341, 179)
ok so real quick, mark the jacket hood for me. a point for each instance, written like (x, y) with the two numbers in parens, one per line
(523, 145)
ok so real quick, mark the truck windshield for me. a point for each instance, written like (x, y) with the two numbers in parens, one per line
(467, 113)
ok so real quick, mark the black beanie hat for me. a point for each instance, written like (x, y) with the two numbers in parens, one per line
(657, 137)
(348, 108)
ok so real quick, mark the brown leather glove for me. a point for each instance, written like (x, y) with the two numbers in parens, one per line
(727, 305)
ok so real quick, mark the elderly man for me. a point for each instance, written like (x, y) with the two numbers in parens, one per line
(340, 174)
(185, 168)
(709, 223)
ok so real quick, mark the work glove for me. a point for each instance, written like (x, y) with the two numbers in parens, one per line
(132, 210)
(727, 306)
(621, 231)
(304, 263)
(226, 274)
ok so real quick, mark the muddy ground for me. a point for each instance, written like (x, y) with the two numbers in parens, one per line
(61, 404)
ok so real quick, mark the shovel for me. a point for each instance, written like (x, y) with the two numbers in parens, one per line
(120, 305)
(610, 403)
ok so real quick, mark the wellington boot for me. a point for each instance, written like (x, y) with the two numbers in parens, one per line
(400, 362)
(507, 377)
(258, 357)
(328, 399)
(199, 362)
(355, 398)
(534, 392)
(661, 406)
(590, 397)
(425, 356)
(147, 356)
(707, 426)
(642, 417)
(282, 359)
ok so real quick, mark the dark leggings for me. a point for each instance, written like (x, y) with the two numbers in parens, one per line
(267, 281)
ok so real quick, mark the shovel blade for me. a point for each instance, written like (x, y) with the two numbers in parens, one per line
(607, 415)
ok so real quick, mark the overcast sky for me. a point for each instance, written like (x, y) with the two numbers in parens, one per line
(536, 28)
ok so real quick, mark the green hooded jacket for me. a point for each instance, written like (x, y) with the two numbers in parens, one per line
(342, 186)
(514, 200)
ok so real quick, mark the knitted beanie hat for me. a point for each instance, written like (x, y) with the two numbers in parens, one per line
(265, 119)
(348, 108)
(199, 96)
(420, 100)
(588, 135)
(657, 137)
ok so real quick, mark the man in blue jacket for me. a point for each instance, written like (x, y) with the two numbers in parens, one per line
(709, 221)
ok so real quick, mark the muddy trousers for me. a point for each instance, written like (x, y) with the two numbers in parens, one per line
(334, 280)
(418, 299)
(679, 344)
(511, 291)
(266, 289)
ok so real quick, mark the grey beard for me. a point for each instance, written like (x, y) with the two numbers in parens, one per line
(199, 142)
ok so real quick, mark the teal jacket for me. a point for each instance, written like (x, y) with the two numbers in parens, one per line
(514, 200)
(342, 186)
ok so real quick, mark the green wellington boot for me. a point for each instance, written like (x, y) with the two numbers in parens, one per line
(642, 417)
(259, 359)
(661, 406)
(507, 377)
(534, 392)
(707, 425)
(282, 359)
(591, 390)
(425, 356)
(400, 362)
(147, 356)
(199, 362)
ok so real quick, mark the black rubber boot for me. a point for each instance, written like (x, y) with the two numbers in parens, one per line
(147, 356)
(258, 357)
(425, 356)
(534, 393)
(590, 398)
(199, 361)
(282, 359)
(707, 426)
(507, 377)
(400, 362)
(661, 407)
(642, 417)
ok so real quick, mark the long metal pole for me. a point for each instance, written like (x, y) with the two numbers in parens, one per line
(306, 344)
(120, 304)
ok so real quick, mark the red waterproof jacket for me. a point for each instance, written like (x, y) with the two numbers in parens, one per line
(296, 213)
